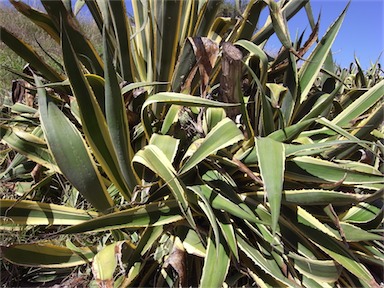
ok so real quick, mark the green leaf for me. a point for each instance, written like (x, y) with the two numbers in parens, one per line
(219, 202)
(319, 270)
(289, 10)
(264, 261)
(27, 212)
(154, 214)
(279, 24)
(123, 48)
(209, 213)
(291, 132)
(117, 121)
(153, 158)
(271, 156)
(39, 18)
(94, 123)
(224, 134)
(34, 151)
(61, 17)
(63, 140)
(167, 144)
(166, 37)
(339, 253)
(311, 67)
(212, 117)
(228, 232)
(216, 263)
(356, 234)
(332, 172)
(29, 55)
(46, 255)
(362, 213)
(312, 197)
(107, 260)
(177, 99)
(360, 105)
(260, 54)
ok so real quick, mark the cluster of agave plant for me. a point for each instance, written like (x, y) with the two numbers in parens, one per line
(187, 156)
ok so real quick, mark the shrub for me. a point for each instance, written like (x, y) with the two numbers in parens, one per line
(187, 152)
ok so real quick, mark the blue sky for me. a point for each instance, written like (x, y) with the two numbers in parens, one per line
(361, 34)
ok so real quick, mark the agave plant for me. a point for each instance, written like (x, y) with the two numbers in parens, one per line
(193, 157)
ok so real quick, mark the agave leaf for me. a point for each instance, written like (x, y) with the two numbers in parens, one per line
(311, 67)
(332, 172)
(39, 18)
(142, 40)
(32, 150)
(185, 69)
(184, 100)
(250, 19)
(224, 134)
(212, 117)
(61, 17)
(63, 140)
(135, 85)
(22, 108)
(290, 132)
(154, 214)
(228, 232)
(124, 51)
(209, 213)
(220, 28)
(314, 148)
(360, 106)
(206, 17)
(26, 52)
(166, 37)
(177, 99)
(322, 104)
(27, 212)
(216, 263)
(310, 220)
(192, 244)
(155, 159)
(264, 261)
(289, 102)
(17, 170)
(171, 118)
(313, 197)
(372, 122)
(356, 234)
(362, 213)
(134, 261)
(117, 120)
(94, 123)
(260, 54)
(289, 10)
(108, 259)
(220, 202)
(46, 255)
(97, 84)
(271, 158)
(167, 144)
(279, 24)
(371, 259)
(339, 253)
(319, 270)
